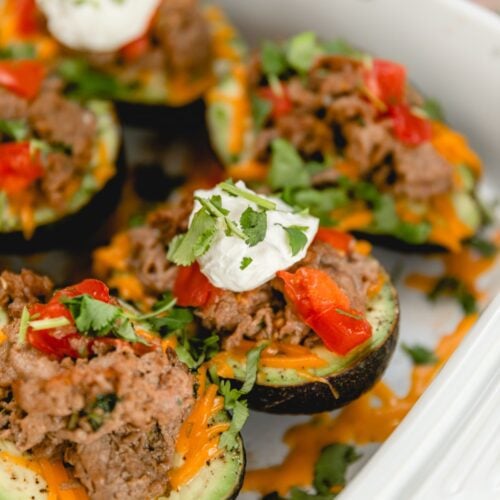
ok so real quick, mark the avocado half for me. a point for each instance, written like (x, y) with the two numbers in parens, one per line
(343, 380)
(89, 207)
(219, 479)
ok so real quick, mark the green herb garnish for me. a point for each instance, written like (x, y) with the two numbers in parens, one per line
(23, 326)
(233, 401)
(302, 50)
(297, 238)
(16, 129)
(420, 355)
(484, 247)
(287, 168)
(184, 249)
(245, 262)
(254, 226)
(231, 188)
(453, 287)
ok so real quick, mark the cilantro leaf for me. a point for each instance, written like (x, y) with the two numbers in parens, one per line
(341, 47)
(245, 262)
(95, 318)
(17, 129)
(453, 287)
(297, 238)
(253, 225)
(433, 110)
(216, 200)
(420, 355)
(234, 190)
(193, 351)
(261, 109)
(273, 59)
(331, 467)
(302, 51)
(184, 249)
(484, 247)
(287, 168)
(18, 51)
(233, 401)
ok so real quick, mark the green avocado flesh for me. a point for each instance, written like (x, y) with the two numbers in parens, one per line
(108, 131)
(382, 313)
(218, 480)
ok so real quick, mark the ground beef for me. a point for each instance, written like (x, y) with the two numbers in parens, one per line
(19, 290)
(265, 313)
(12, 107)
(59, 171)
(332, 115)
(49, 407)
(60, 121)
(184, 35)
(148, 260)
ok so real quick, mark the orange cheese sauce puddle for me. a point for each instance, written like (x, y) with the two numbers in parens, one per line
(373, 417)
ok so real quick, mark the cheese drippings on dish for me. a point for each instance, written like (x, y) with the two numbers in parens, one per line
(222, 262)
(98, 25)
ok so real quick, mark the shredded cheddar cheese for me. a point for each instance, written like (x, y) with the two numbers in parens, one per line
(3, 337)
(454, 148)
(198, 440)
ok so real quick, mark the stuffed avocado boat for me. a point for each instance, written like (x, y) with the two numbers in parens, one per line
(60, 170)
(94, 404)
(343, 133)
(262, 275)
(153, 52)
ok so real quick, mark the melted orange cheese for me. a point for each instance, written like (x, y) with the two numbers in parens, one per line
(466, 266)
(454, 148)
(60, 485)
(372, 418)
(3, 337)
(248, 171)
(105, 169)
(198, 440)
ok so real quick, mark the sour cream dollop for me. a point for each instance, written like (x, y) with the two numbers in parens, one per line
(222, 263)
(98, 25)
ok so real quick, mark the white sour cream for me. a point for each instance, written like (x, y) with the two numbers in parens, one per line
(221, 263)
(97, 25)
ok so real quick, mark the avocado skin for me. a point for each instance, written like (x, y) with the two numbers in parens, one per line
(316, 397)
(174, 120)
(72, 229)
(393, 243)
(237, 487)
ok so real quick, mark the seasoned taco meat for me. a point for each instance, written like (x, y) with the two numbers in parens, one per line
(330, 114)
(265, 313)
(68, 130)
(114, 418)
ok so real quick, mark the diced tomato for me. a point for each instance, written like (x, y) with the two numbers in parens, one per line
(337, 239)
(95, 288)
(23, 77)
(59, 345)
(27, 19)
(136, 48)
(19, 167)
(281, 103)
(387, 81)
(326, 309)
(192, 288)
(408, 127)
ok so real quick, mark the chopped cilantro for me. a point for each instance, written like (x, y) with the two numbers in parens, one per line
(453, 287)
(231, 227)
(233, 401)
(95, 318)
(297, 238)
(216, 200)
(261, 109)
(254, 226)
(433, 110)
(16, 129)
(229, 187)
(331, 467)
(420, 355)
(302, 50)
(100, 409)
(484, 247)
(186, 248)
(18, 51)
(273, 59)
(245, 262)
(287, 168)
(341, 47)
